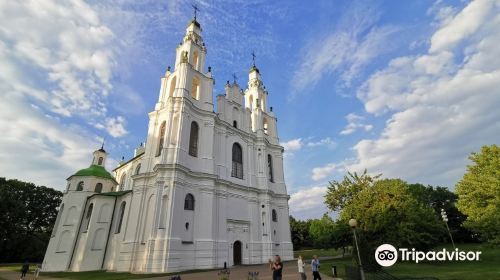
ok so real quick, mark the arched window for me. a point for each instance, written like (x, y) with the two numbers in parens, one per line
(274, 215)
(264, 125)
(173, 84)
(161, 138)
(120, 217)
(138, 169)
(251, 102)
(235, 124)
(58, 220)
(88, 216)
(122, 181)
(189, 202)
(270, 168)
(79, 187)
(193, 140)
(195, 88)
(98, 188)
(237, 166)
(99, 162)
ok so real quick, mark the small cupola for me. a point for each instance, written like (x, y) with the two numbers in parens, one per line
(99, 157)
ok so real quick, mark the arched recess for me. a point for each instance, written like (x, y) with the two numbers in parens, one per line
(99, 240)
(195, 88)
(58, 220)
(71, 216)
(265, 125)
(193, 139)
(148, 219)
(237, 161)
(120, 217)
(123, 181)
(104, 213)
(270, 168)
(237, 248)
(161, 138)
(98, 188)
(173, 84)
(196, 59)
(64, 242)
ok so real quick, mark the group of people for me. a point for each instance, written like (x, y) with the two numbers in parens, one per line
(277, 267)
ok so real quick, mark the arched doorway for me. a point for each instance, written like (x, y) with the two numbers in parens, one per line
(237, 253)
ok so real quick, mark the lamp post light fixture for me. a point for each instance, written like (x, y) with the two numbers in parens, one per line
(353, 224)
(445, 219)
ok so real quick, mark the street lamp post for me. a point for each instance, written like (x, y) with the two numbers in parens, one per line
(353, 224)
(445, 219)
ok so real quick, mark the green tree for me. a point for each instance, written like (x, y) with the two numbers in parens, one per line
(300, 233)
(442, 198)
(322, 232)
(387, 212)
(479, 194)
(340, 194)
(341, 236)
(28, 214)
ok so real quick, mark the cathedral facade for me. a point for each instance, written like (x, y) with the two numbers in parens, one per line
(206, 190)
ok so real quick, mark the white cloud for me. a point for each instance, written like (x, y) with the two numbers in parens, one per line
(69, 52)
(443, 103)
(307, 199)
(322, 172)
(114, 126)
(38, 148)
(354, 122)
(326, 142)
(57, 60)
(292, 145)
(354, 43)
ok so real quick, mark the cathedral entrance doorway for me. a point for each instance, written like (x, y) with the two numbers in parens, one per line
(237, 253)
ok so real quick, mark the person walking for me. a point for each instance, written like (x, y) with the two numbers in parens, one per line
(276, 267)
(37, 271)
(24, 269)
(315, 268)
(301, 265)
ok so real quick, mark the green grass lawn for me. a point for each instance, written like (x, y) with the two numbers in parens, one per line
(308, 254)
(487, 268)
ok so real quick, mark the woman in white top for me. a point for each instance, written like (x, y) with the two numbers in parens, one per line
(301, 264)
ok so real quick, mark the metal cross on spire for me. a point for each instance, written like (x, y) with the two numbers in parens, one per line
(196, 10)
(253, 57)
(235, 78)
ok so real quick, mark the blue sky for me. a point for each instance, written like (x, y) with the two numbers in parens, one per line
(403, 88)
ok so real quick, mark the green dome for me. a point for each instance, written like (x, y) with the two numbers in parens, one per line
(95, 170)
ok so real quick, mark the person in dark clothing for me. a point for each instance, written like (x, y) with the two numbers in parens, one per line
(24, 269)
(277, 267)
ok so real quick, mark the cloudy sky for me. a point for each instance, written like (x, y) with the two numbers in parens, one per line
(403, 88)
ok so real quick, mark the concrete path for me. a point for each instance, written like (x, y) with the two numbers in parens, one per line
(236, 273)
(241, 273)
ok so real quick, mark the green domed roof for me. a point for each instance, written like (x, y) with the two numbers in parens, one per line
(94, 170)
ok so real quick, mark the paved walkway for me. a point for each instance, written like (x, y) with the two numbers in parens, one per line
(236, 273)
(241, 273)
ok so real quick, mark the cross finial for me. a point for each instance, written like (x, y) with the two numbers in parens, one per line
(196, 10)
(102, 145)
(235, 78)
(253, 57)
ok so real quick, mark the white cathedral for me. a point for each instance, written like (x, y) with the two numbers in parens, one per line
(206, 190)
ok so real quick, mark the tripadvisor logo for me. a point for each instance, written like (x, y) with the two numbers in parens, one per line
(387, 255)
